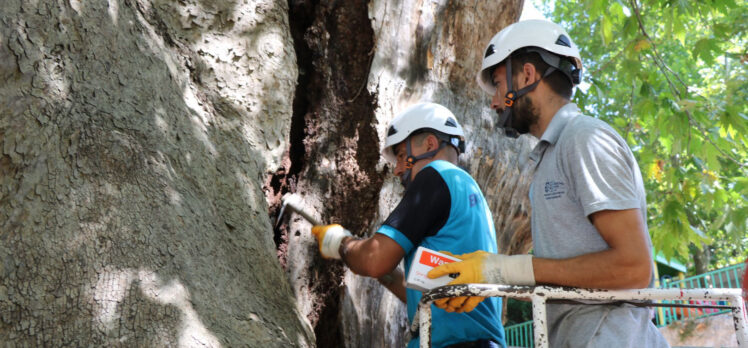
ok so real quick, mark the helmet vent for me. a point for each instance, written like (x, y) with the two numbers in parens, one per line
(489, 51)
(563, 41)
(451, 122)
(392, 131)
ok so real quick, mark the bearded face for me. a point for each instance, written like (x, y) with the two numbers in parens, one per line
(524, 115)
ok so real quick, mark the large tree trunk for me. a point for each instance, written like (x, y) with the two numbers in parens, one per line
(356, 71)
(145, 141)
(135, 135)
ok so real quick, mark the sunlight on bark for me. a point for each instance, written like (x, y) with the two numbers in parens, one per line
(113, 10)
(113, 285)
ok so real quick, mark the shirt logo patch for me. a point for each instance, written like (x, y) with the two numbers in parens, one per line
(554, 189)
(473, 199)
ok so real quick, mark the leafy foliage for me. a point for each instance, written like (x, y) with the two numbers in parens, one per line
(671, 77)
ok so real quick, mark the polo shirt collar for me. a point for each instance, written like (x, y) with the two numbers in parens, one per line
(558, 123)
(553, 132)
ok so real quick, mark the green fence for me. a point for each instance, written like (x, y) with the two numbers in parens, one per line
(521, 335)
(728, 277)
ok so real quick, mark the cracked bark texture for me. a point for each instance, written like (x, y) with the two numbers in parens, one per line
(431, 51)
(134, 136)
(145, 141)
(359, 65)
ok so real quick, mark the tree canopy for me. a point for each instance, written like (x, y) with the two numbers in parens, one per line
(670, 76)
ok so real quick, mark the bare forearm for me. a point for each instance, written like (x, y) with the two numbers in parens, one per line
(371, 257)
(358, 258)
(627, 264)
(395, 283)
(603, 270)
(376, 257)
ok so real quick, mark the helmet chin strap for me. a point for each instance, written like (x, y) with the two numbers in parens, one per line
(507, 116)
(411, 160)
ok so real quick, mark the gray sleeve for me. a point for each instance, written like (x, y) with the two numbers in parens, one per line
(600, 169)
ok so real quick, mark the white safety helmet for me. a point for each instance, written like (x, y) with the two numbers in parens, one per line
(530, 33)
(423, 116)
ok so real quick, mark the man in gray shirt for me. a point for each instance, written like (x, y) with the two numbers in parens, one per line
(588, 202)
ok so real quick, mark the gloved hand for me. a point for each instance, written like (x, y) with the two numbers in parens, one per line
(329, 238)
(483, 267)
(459, 304)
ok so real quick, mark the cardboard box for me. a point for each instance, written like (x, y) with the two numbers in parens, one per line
(423, 262)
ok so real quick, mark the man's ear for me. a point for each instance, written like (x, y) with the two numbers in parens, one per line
(433, 142)
(531, 74)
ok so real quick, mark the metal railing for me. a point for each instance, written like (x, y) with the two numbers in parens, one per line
(728, 277)
(519, 335)
(541, 294)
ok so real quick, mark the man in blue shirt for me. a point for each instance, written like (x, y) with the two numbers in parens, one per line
(442, 209)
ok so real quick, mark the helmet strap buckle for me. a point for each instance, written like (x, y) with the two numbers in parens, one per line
(509, 98)
(410, 161)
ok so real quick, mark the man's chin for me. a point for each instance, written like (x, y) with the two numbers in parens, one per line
(523, 130)
(511, 133)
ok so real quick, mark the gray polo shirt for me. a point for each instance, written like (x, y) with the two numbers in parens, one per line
(584, 166)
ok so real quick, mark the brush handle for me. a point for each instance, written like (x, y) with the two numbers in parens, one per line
(304, 214)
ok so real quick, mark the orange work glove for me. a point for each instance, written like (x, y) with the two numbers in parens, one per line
(329, 238)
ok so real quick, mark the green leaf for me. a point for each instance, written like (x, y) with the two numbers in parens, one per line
(737, 219)
(683, 6)
(630, 27)
(667, 143)
(642, 44)
(741, 185)
(606, 30)
(705, 49)
(726, 4)
(677, 28)
(722, 30)
(616, 10)
(646, 90)
(700, 165)
(698, 232)
(687, 104)
(712, 158)
(595, 8)
(644, 107)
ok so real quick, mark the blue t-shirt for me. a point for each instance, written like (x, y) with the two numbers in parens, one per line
(444, 209)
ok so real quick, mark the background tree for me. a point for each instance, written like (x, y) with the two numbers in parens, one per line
(360, 64)
(671, 77)
(143, 143)
(134, 137)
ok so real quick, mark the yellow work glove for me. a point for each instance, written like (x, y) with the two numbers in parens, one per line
(329, 238)
(483, 267)
(459, 304)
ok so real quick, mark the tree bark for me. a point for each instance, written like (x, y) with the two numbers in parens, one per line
(135, 135)
(145, 141)
(701, 258)
(356, 72)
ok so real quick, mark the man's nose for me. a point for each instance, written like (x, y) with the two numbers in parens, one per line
(399, 169)
(496, 102)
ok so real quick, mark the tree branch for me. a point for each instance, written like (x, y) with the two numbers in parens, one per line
(659, 62)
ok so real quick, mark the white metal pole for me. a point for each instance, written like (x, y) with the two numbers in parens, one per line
(424, 333)
(539, 318)
(739, 317)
